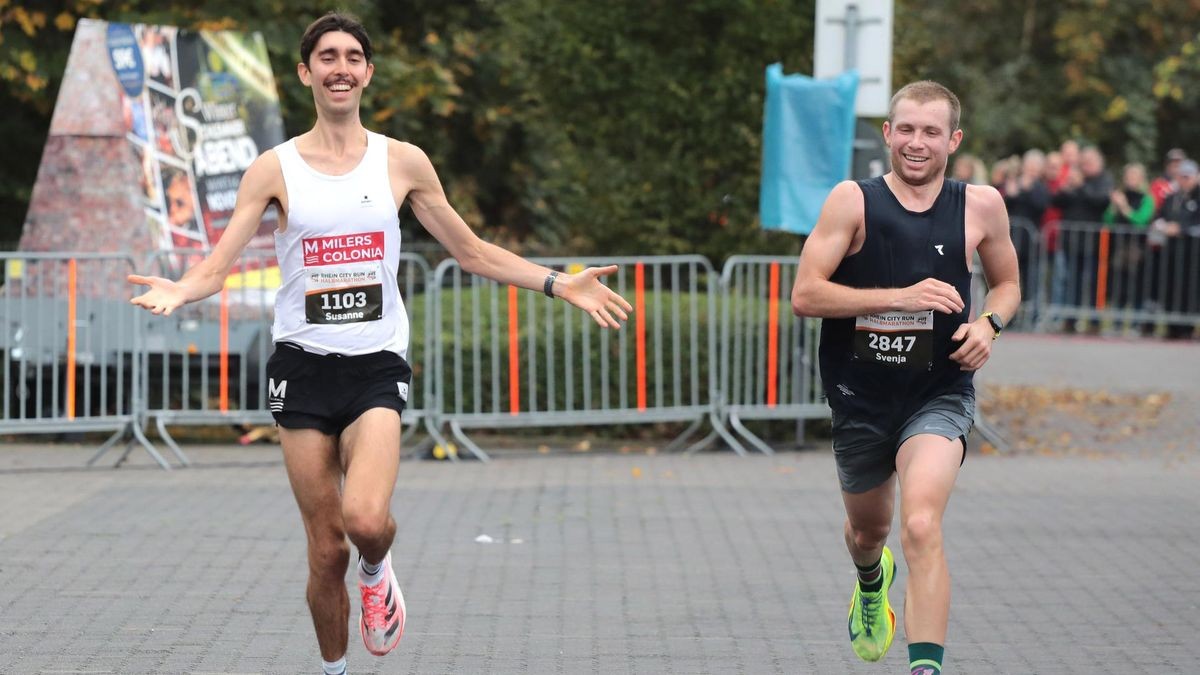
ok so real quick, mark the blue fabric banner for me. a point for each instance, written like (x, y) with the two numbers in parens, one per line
(808, 143)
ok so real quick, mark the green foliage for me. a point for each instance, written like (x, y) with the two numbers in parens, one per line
(644, 118)
(1031, 74)
(634, 125)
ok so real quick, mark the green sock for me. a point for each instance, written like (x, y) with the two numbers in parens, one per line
(925, 658)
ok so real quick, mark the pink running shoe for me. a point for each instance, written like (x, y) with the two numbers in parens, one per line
(382, 620)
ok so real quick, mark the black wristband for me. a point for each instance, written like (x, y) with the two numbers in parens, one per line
(548, 287)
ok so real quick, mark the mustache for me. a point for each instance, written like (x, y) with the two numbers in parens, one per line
(341, 80)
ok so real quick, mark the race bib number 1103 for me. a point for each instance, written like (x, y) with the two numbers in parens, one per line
(343, 278)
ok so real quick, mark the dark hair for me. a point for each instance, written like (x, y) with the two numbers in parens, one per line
(331, 22)
(924, 92)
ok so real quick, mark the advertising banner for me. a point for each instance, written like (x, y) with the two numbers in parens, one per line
(197, 108)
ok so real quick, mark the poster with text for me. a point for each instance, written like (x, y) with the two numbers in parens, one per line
(198, 107)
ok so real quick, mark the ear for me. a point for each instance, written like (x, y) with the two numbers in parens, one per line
(370, 72)
(887, 134)
(304, 73)
(955, 140)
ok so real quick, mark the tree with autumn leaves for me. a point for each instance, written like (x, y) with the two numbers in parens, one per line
(635, 125)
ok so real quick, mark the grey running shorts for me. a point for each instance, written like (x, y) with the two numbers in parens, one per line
(327, 392)
(865, 449)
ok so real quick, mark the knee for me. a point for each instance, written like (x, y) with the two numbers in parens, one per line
(329, 558)
(869, 537)
(366, 524)
(921, 533)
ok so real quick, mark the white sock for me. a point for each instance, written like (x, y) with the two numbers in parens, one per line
(336, 668)
(368, 578)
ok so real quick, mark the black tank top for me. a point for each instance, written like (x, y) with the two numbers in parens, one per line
(892, 363)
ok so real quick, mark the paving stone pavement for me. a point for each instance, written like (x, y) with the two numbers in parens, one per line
(602, 563)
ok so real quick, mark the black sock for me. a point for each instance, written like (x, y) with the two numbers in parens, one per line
(870, 579)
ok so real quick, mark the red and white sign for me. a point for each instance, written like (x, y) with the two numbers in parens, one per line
(348, 248)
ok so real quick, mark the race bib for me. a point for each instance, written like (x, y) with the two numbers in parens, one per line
(343, 278)
(895, 339)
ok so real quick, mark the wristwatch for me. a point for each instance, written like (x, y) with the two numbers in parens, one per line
(997, 324)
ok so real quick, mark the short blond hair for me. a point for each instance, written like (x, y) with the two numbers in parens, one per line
(925, 91)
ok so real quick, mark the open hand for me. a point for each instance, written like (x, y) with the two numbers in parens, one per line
(163, 297)
(603, 304)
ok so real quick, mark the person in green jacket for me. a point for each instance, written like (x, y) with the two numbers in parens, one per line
(1132, 206)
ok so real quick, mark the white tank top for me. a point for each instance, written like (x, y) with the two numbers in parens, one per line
(339, 256)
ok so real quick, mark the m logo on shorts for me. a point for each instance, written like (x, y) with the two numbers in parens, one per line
(276, 394)
(402, 390)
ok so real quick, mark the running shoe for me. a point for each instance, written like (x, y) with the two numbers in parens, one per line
(382, 620)
(872, 622)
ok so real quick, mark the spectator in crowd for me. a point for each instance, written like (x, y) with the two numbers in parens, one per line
(1176, 238)
(1069, 151)
(1084, 196)
(1055, 179)
(969, 169)
(1166, 184)
(1026, 196)
(1004, 170)
(1083, 200)
(1132, 206)
(1025, 193)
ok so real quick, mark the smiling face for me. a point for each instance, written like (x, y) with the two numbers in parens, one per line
(921, 138)
(337, 71)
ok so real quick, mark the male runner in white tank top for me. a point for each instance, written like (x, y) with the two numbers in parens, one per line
(338, 375)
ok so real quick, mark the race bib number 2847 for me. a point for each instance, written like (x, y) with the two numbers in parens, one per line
(895, 339)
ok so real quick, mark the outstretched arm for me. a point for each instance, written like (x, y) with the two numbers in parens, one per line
(999, 258)
(411, 166)
(815, 295)
(260, 184)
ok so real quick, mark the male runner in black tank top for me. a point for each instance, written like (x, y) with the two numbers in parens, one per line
(888, 268)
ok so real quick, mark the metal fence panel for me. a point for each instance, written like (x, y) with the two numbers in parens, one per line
(769, 367)
(1122, 278)
(507, 358)
(69, 350)
(206, 363)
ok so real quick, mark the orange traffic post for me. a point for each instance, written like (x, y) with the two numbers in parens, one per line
(72, 282)
(1102, 270)
(514, 355)
(639, 294)
(224, 357)
(773, 337)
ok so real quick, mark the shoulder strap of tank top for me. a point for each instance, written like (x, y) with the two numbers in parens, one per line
(377, 150)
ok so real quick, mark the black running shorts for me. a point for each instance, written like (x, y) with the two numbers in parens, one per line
(328, 392)
(865, 449)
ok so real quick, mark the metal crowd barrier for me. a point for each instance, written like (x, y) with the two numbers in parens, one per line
(70, 354)
(507, 358)
(769, 366)
(487, 356)
(206, 363)
(1027, 240)
(1122, 275)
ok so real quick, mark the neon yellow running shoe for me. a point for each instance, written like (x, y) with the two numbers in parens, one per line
(872, 622)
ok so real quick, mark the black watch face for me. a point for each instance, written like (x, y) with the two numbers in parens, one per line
(997, 324)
